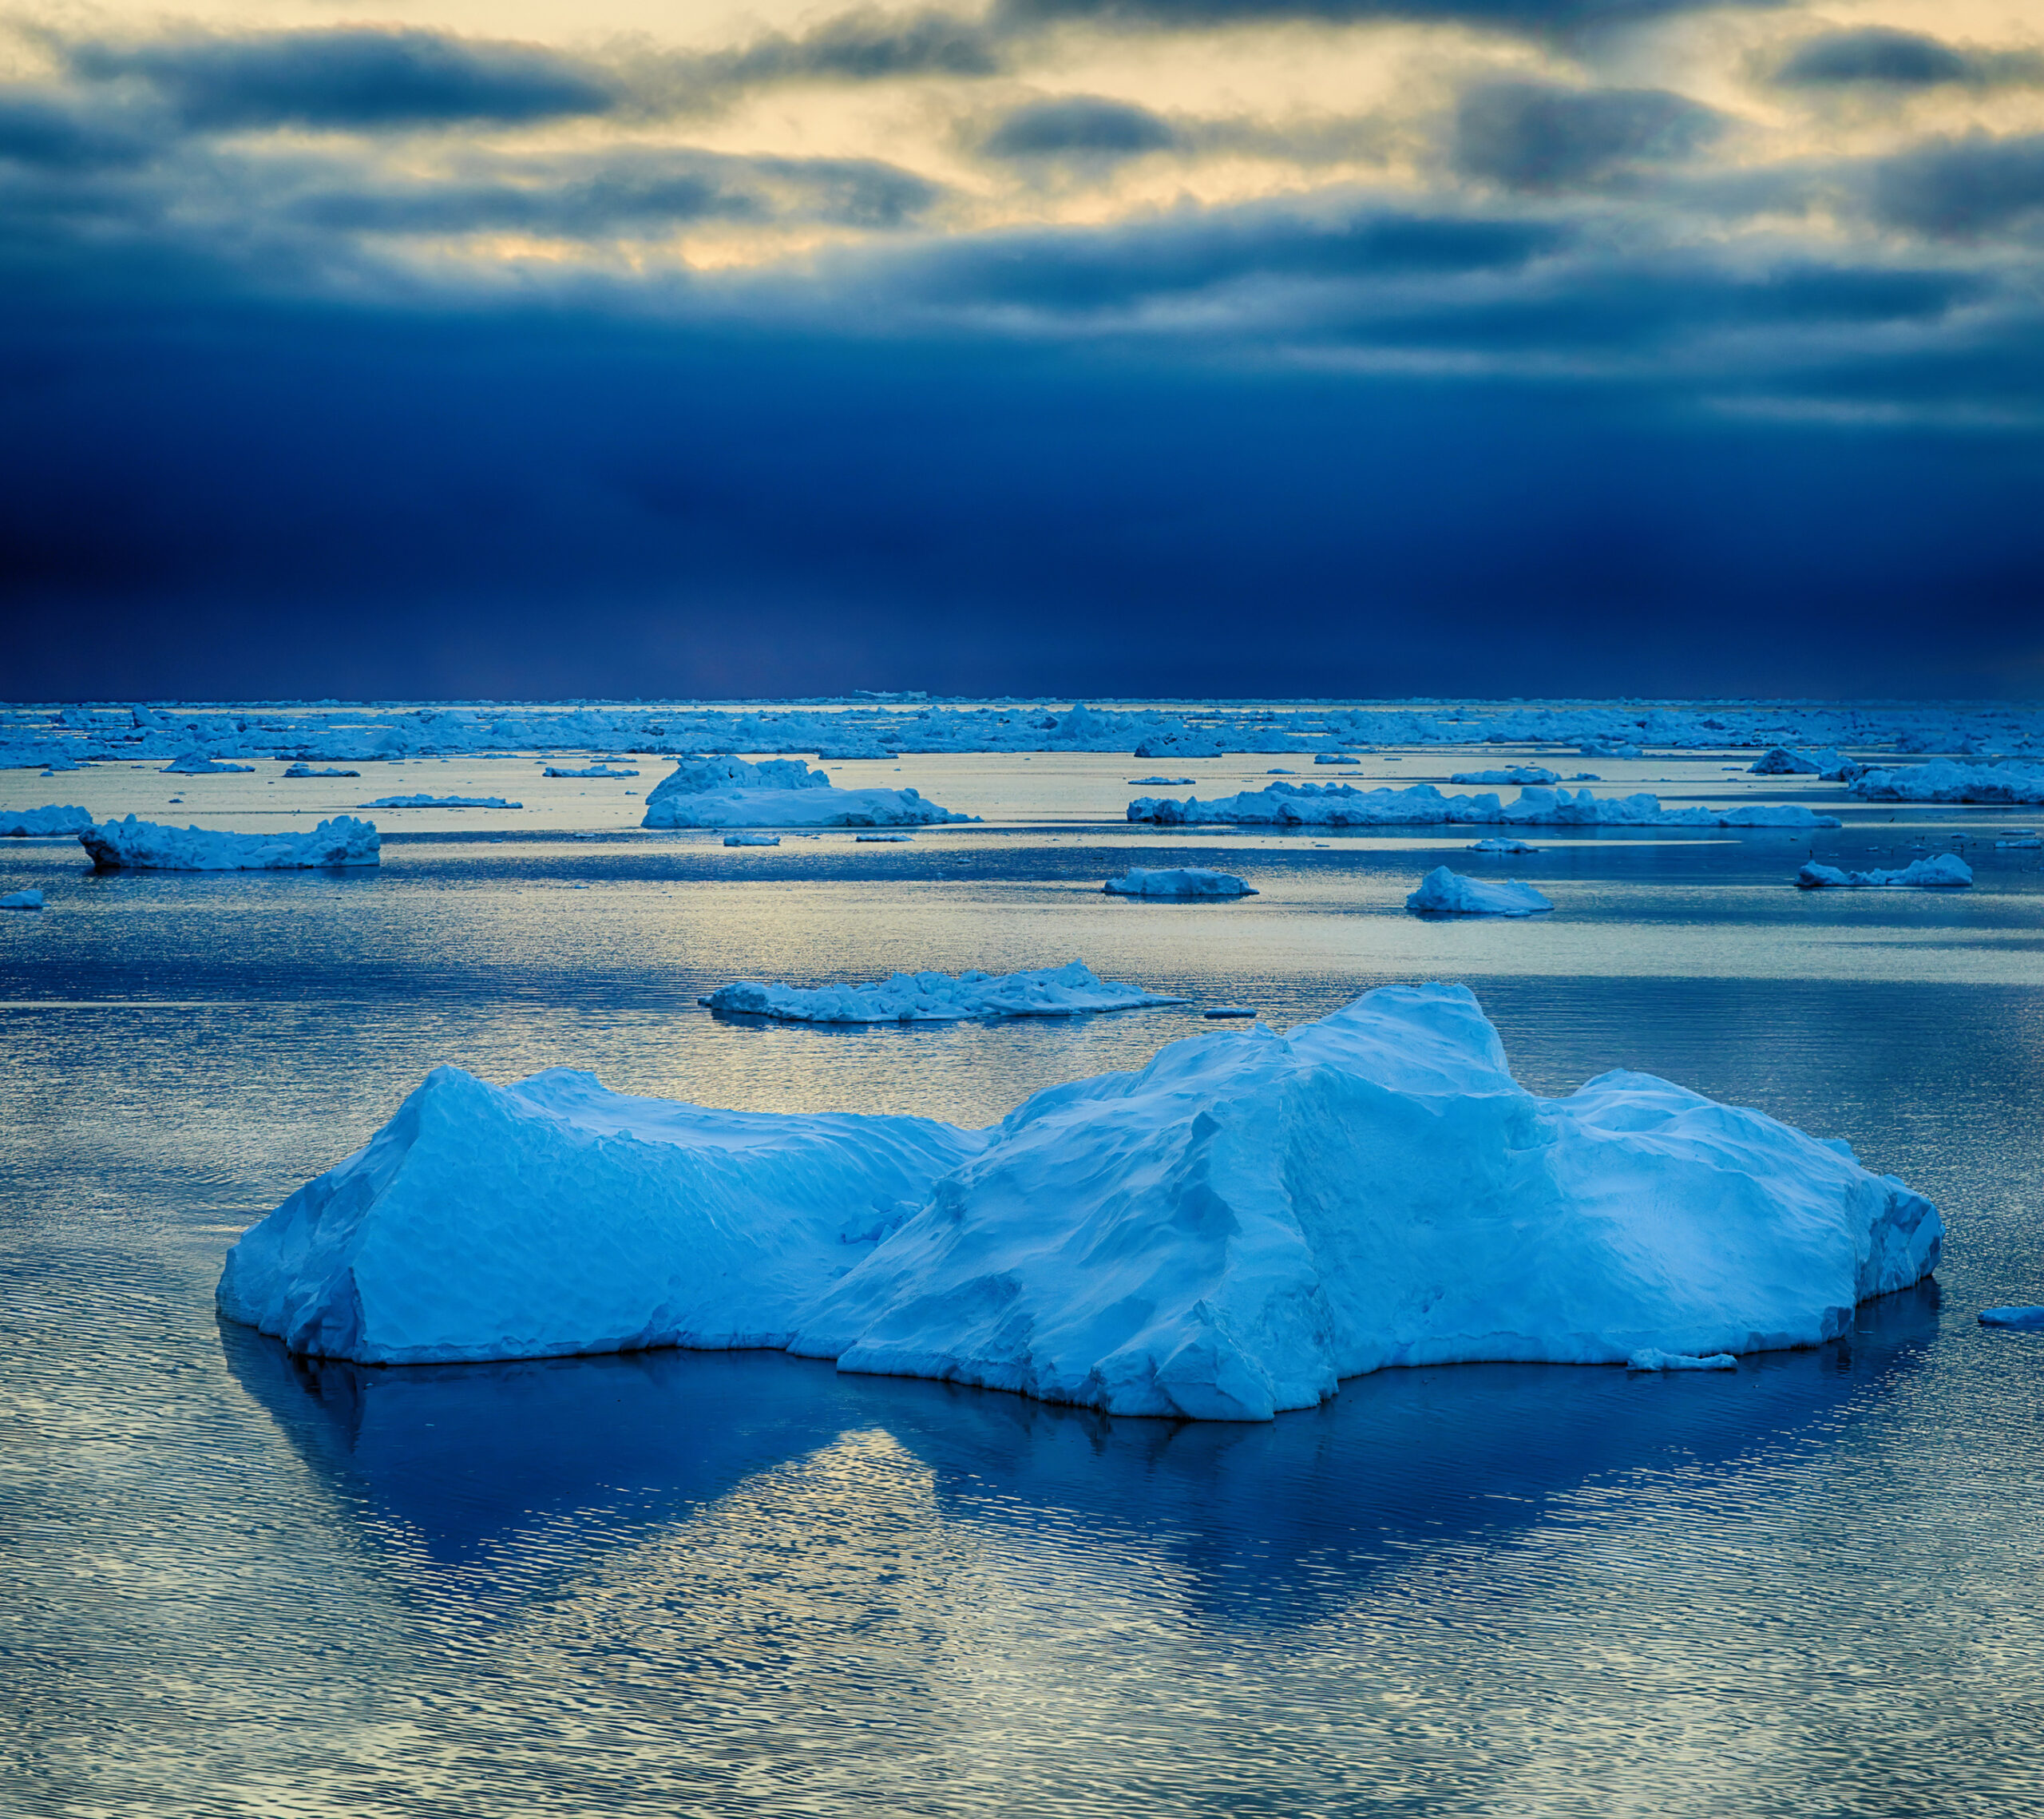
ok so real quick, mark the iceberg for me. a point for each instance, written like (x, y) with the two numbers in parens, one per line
(593, 771)
(1335, 758)
(1192, 881)
(1501, 843)
(1224, 1234)
(1647, 1358)
(752, 839)
(147, 845)
(1941, 780)
(441, 801)
(21, 900)
(1946, 872)
(2021, 1319)
(939, 998)
(58, 820)
(195, 763)
(297, 770)
(1517, 773)
(1444, 893)
(1341, 805)
(1828, 766)
(1167, 783)
(780, 792)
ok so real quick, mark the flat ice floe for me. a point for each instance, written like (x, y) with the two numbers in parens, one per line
(1520, 773)
(1445, 892)
(590, 770)
(1501, 843)
(21, 900)
(1187, 881)
(2021, 1319)
(58, 820)
(1225, 1234)
(1069, 990)
(298, 771)
(1941, 780)
(782, 792)
(148, 846)
(441, 801)
(752, 839)
(1946, 872)
(198, 764)
(1341, 805)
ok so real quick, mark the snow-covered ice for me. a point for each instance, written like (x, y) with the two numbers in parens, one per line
(1516, 774)
(1225, 1234)
(1828, 766)
(940, 997)
(752, 839)
(21, 900)
(1169, 782)
(592, 771)
(1340, 805)
(1647, 1358)
(2023, 1319)
(300, 771)
(1941, 780)
(195, 763)
(780, 793)
(148, 846)
(1501, 843)
(1445, 892)
(1335, 758)
(1190, 881)
(441, 801)
(1946, 872)
(59, 820)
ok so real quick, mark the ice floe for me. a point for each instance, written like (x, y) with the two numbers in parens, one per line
(1069, 990)
(1166, 783)
(148, 846)
(1341, 805)
(441, 801)
(1445, 892)
(21, 900)
(1647, 1358)
(1946, 872)
(752, 839)
(881, 839)
(1190, 881)
(1940, 780)
(1501, 843)
(197, 764)
(2022, 1319)
(1828, 766)
(780, 793)
(1227, 1233)
(1515, 774)
(58, 820)
(301, 770)
(592, 771)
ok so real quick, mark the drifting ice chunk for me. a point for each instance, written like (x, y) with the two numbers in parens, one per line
(1518, 773)
(752, 839)
(1830, 766)
(21, 900)
(441, 801)
(1946, 872)
(59, 819)
(1942, 781)
(1335, 758)
(148, 847)
(1226, 1234)
(728, 792)
(1176, 783)
(1340, 805)
(1193, 881)
(939, 998)
(2023, 1319)
(197, 764)
(1501, 843)
(306, 771)
(1444, 893)
(881, 839)
(1646, 1358)
(593, 771)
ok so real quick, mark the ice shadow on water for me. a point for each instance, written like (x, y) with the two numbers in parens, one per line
(1267, 1523)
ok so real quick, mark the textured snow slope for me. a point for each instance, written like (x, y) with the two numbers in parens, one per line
(782, 792)
(1445, 892)
(487, 1222)
(1341, 805)
(1228, 1233)
(150, 845)
(939, 998)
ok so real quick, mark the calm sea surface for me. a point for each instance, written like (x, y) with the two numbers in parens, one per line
(673, 1583)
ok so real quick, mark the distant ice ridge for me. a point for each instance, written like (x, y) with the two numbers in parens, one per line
(1946, 872)
(1341, 805)
(1942, 781)
(1226, 1234)
(147, 845)
(728, 792)
(58, 820)
(1188, 881)
(591, 770)
(195, 763)
(1517, 773)
(1445, 892)
(940, 997)
(441, 801)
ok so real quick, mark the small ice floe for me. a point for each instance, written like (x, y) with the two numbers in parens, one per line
(1946, 872)
(1178, 781)
(1230, 1011)
(2020, 836)
(939, 998)
(1445, 892)
(1279, 772)
(1831, 766)
(59, 821)
(2019, 1319)
(778, 792)
(1646, 1358)
(881, 839)
(21, 900)
(1191, 882)
(441, 801)
(593, 771)
(752, 839)
(1335, 758)
(306, 771)
(148, 846)
(1585, 776)
(1501, 843)
(197, 764)
(1516, 774)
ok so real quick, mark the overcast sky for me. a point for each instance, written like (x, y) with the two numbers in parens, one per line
(1505, 346)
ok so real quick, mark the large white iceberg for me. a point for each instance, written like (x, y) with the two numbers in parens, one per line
(939, 998)
(1946, 872)
(58, 818)
(1943, 781)
(782, 792)
(148, 846)
(1227, 1233)
(1445, 892)
(1341, 805)
(1182, 881)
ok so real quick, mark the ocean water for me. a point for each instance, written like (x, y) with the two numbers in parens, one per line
(243, 1583)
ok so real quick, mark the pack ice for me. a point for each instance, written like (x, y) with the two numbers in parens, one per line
(1069, 990)
(148, 846)
(780, 792)
(1227, 1234)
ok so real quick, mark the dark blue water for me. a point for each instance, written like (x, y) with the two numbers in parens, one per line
(674, 1583)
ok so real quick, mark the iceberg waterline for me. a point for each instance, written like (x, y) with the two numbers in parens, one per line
(1224, 1234)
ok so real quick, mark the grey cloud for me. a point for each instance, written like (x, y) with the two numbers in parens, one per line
(352, 78)
(36, 129)
(1876, 54)
(1957, 189)
(1531, 136)
(1534, 17)
(1088, 128)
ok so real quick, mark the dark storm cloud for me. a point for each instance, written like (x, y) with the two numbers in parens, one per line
(37, 128)
(1537, 18)
(1085, 127)
(1534, 136)
(358, 79)
(1962, 188)
(1878, 56)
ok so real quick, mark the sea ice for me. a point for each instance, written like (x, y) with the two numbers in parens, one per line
(1647, 1358)
(593, 771)
(1225, 1234)
(2023, 1319)
(441, 801)
(297, 771)
(1192, 881)
(195, 763)
(881, 839)
(1335, 758)
(1445, 892)
(783, 792)
(1517, 773)
(149, 846)
(1828, 767)
(1340, 805)
(752, 839)
(1501, 843)
(58, 820)
(21, 900)
(1946, 872)
(1174, 782)
(939, 998)
(1942, 781)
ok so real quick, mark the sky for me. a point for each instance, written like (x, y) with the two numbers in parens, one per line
(1271, 348)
